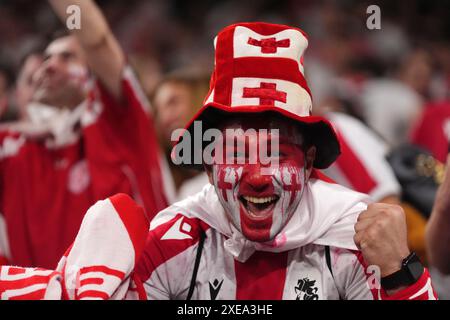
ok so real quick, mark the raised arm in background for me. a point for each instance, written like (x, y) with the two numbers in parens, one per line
(103, 53)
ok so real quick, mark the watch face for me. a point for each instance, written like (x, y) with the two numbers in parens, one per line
(415, 268)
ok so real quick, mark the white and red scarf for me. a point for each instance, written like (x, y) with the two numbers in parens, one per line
(98, 265)
(326, 215)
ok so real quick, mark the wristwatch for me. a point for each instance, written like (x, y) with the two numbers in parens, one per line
(411, 271)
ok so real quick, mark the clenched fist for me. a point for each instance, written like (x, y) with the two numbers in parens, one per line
(382, 237)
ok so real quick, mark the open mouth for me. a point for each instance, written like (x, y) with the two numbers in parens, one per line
(259, 207)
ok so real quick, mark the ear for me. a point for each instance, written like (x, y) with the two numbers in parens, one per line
(208, 170)
(310, 156)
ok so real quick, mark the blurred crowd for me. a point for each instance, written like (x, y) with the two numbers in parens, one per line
(408, 60)
(395, 80)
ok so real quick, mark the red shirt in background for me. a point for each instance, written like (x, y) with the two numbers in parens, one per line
(432, 131)
(45, 192)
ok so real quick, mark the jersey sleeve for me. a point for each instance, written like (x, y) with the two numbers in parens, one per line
(127, 119)
(122, 131)
(356, 280)
(362, 165)
(167, 264)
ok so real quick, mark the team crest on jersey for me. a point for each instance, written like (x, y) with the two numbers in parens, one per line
(79, 177)
(306, 289)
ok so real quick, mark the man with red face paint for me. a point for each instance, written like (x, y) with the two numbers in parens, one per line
(269, 225)
(276, 229)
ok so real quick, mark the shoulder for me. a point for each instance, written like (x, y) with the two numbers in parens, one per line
(132, 93)
(174, 223)
(172, 234)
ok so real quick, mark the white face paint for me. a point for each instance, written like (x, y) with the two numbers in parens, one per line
(290, 181)
(259, 206)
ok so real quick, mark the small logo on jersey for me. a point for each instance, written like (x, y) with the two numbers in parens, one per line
(178, 231)
(214, 288)
(79, 177)
(306, 290)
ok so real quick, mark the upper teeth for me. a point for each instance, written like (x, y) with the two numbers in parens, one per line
(260, 200)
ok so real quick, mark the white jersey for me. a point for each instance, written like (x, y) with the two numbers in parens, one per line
(190, 254)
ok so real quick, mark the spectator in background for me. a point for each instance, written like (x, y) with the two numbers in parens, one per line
(176, 98)
(432, 130)
(390, 105)
(362, 165)
(25, 86)
(88, 137)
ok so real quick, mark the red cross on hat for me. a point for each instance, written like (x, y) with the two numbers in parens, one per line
(269, 45)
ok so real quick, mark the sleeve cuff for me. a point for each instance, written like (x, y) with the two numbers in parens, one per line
(421, 290)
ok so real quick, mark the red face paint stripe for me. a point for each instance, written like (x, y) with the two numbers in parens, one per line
(257, 231)
(262, 276)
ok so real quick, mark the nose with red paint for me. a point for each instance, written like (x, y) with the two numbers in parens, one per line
(257, 193)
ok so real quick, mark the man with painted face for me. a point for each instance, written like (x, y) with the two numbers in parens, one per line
(269, 225)
(87, 136)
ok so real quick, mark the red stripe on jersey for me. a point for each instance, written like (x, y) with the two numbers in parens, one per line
(157, 251)
(134, 219)
(262, 276)
(353, 169)
(363, 263)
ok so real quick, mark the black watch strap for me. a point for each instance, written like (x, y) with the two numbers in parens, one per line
(411, 271)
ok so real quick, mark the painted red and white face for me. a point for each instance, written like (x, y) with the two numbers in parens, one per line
(260, 199)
